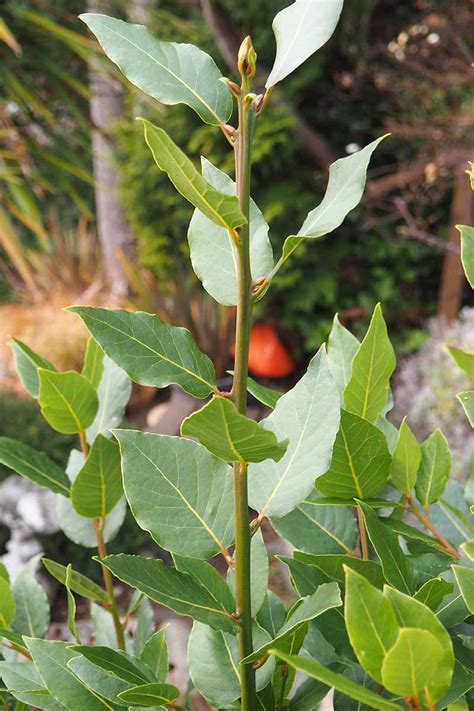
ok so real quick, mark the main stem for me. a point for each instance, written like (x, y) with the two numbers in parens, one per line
(239, 395)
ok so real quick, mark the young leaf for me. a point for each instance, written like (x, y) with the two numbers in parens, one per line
(209, 242)
(467, 251)
(7, 603)
(411, 665)
(259, 570)
(78, 583)
(301, 29)
(397, 567)
(168, 586)
(467, 401)
(71, 607)
(267, 396)
(32, 607)
(28, 686)
(370, 621)
(315, 670)
(150, 351)
(93, 363)
(68, 401)
(231, 436)
(308, 416)
(155, 655)
(97, 489)
(114, 392)
(434, 469)
(27, 363)
(463, 359)
(367, 390)
(360, 460)
(124, 666)
(465, 580)
(150, 695)
(51, 659)
(406, 460)
(169, 72)
(178, 491)
(33, 465)
(224, 210)
(342, 347)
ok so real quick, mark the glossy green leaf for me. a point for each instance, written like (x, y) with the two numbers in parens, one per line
(155, 655)
(51, 660)
(315, 670)
(114, 392)
(33, 465)
(467, 401)
(28, 686)
(463, 359)
(71, 607)
(267, 396)
(150, 695)
(465, 580)
(97, 489)
(124, 666)
(326, 597)
(371, 622)
(172, 588)
(210, 243)
(214, 663)
(208, 577)
(150, 351)
(410, 532)
(301, 29)
(32, 607)
(27, 363)
(332, 566)
(272, 614)
(223, 210)
(411, 665)
(342, 347)
(318, 529)
(406, 460)
(68, 401)
(434, 469)
(169, 72)
(78, 583)
(259, 570)
(412, 613)
(7, 603)
(397, 567)
(101, 682)
(433, 591)
(174, 486)
(467, 251)
(367, 390)
(360, 462)
(231, 436)
(308, 416)
(93, 367)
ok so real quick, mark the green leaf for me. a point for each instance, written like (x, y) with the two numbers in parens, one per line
(93, 363)
(397, 567)
(308, 416)
(301, 29)
(7, 603)
(224, 210)
(114, 392)
(406, 460)
(465, 580)
(145, 624)
(169, 72)
(434, 469)
(412, 613)
(68, 401)
(272, 614)
(342, 347)
(411, 665)
(178, 491)
(150, 695)
(214, 663)
(51, 660)
(124, 666)
(150, 351)
(37, 466)
(326, 597)
(368, 388)
(78, 583)
(360, 460)
(103, 683)
(71, 607)
(32, 608)
(27, 363)
(332, 566)
(463, 359)
(209, 242)
(315, 670)
(97, 489)
(27, 685)
(208, 577)
(155, 655)
(267, 396)
(259, 570)
(467, 251)
(370, 621)
(168, 586)
(467, 401)
(319, 529)
(410, 532)
(433, 591)
(231, 436)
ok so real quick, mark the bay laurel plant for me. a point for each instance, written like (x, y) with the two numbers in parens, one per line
(382, 539)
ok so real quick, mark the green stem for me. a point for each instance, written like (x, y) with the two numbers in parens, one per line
(239, 395)
(364, 544)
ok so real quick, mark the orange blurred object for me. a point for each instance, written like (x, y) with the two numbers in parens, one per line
(268, 357)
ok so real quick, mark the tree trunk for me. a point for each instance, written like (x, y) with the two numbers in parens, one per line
(452, 275)
(106, 108)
